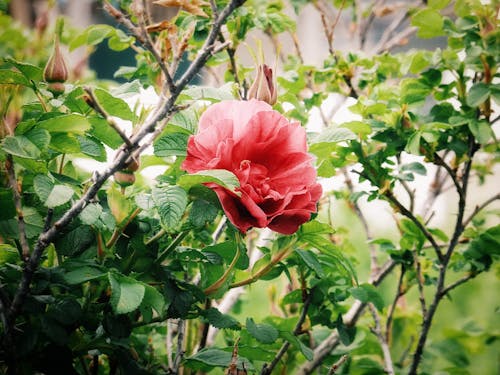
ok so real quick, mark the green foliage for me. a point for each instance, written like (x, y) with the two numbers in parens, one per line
(135, 279)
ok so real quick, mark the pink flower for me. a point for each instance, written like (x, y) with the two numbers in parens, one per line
(269, 156)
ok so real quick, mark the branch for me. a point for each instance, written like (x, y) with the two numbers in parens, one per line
(217, 284)
(427, 320)
(23, 238)
(390, 314)
(337, 364)
(94, 103)
(390, 196)
(267, 370)
(264, 270)
(459, 282)
(479, 208)
(420, 282)
(350, 319)
(180, 344)
(377, 331)
(440, 162)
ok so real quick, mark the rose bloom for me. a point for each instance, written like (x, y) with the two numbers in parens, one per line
(268, 155)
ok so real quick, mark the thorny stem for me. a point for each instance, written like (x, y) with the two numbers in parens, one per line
(176, 241)
(267, 369)
(166, 107)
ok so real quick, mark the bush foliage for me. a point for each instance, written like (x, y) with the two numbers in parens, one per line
(109, 271)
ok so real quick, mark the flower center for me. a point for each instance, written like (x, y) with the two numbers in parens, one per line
(254, 180)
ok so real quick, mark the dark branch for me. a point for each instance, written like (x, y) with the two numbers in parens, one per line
(23, 239)
(267, 369)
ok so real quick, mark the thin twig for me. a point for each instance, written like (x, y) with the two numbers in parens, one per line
(373, 251)
(479, 208)
(180, 347)
(337, 364)
(350, 319)
(267, 369)
(23, 238)
(390, 196)
(390, 313)
(94, 103)
(459, 282)
(420, 282)
(377, 331)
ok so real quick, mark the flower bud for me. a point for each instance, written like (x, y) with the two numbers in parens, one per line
(55, 70)
(264, 86)
(124, 178)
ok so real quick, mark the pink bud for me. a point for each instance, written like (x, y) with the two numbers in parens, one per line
(55, 70)
(264, 86)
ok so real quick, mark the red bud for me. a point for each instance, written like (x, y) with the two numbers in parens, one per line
(264, 86)
(55, 70)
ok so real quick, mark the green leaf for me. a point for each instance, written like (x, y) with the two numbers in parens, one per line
(83, 274)
(186, 120)
(171, 202)
(64, 143)
(368, 293)
(91, 213)
(126, 293)
(415, 167)
(219, 320)
(213, 357)
(120, 206)
(265, 333)
(92, 147)
(10, 77)
(8, 254)
(220, 177)
(21, 146)
(72, 123)
(478, 94)
(8, 210)
(76, 241)
(172, 144)
(357, 127)
(114, 106)
(210, 93)
(481, 131)
(333, 135)
(202, 212)
(311, 261)
(30, 71)
(153, 299)
(294, 340)
(39, 137)
(438, 4)
(104, 132)
(33, 221)
(429, 23)
(346, 333)
(51, 194)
